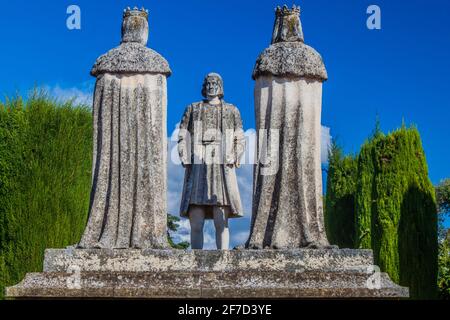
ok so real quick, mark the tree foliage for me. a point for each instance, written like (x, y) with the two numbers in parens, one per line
(443, 203)
(443, 195)
(45, 166)
(340, 198)
(444, 268)
(172, 226)
(396, 210)
(394, 207)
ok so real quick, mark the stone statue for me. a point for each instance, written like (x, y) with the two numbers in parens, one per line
(129, 188)
(210, 144)
(128, 197)
(287, 196)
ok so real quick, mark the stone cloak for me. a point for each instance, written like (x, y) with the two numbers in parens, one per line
(129, 174)
(287, 194)
(287, 208)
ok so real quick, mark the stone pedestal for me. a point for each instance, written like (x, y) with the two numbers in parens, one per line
(100, 273)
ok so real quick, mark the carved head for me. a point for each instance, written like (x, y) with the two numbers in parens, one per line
(287, 27)
(212, 86)
(135, 25)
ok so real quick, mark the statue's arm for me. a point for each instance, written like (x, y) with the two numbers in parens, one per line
(184, 137)
(239, 137)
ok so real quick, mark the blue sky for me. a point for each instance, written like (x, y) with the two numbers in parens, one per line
(398, 72)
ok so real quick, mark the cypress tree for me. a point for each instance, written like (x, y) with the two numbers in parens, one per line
(340, 198)
(45, 173)
(364, 202)
(396, 210)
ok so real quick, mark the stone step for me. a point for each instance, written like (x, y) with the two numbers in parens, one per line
(238, 284)
(101, 260)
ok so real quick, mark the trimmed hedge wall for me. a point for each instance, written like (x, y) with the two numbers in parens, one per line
(340, 198)
(45, 177)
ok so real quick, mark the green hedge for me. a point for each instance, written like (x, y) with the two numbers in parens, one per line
(340, 198)
(45, 173)
(396, 210)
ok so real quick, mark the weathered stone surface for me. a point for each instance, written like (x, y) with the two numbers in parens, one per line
(290, 59)
(206, 274)
(287, 26)
(131, 57)
(240, 284)
(212, 182)
(135, 25)
(211, 143)
(288, 55)
(61, 260)
(287, 194)
(128, 206)
(129, 178)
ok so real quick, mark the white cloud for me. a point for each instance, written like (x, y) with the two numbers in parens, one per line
(175, 181)
(182, 233)
(79, 95)
(245, 184)
(209, 240)
(240, 237)
(325, 144)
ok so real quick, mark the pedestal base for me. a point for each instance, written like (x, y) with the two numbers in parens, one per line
(73, 273)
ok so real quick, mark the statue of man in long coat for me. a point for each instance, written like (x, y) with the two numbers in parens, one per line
(210, 144)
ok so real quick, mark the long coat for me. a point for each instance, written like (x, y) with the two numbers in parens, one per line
(205, 183)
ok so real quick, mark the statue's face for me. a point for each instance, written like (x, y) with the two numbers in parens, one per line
(212, 87)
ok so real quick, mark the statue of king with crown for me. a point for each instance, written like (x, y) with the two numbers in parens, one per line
(287, 194)
(129, 179)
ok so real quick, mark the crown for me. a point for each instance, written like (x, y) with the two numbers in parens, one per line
(128, 12)
(285, 11)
